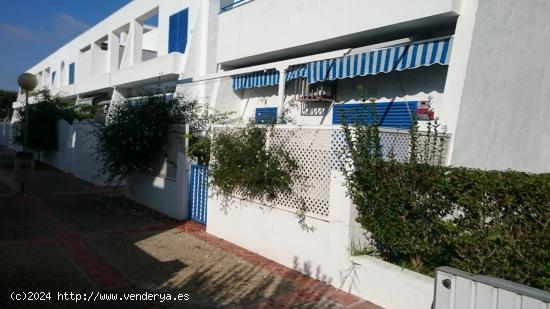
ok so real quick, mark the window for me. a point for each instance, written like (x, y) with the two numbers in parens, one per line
(71, 73)
(53, 78)
(266, 115)
(177, 35)
(389, 114)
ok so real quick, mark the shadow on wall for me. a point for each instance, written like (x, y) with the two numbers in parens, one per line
(309, 270)
(409, 83)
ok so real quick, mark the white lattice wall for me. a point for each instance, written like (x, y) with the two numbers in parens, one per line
(395, 143)
(311, 148)
(318, 150)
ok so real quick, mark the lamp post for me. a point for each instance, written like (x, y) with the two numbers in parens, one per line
(27, 82)
(24, 161)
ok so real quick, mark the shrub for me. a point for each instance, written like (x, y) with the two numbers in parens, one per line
(423, 215)
(245, 166)
(135, 134)
(42, 122)
(6, 100)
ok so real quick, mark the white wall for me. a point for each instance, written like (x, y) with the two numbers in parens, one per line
(324, 253)
(503, 119)
(167, 190)
(260, 26)
(75, 152)
(62, 158)
(391, 286)
(84, 160)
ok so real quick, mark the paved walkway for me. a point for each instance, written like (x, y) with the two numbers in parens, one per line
(68, 236)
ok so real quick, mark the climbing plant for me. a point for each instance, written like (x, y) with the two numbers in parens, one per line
(135, 133)
(245, 165)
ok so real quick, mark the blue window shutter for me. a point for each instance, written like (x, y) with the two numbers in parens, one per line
(71, 73)
(53, 77)
(177, 33)
(266, 115)
(389, 114)
(172, 38)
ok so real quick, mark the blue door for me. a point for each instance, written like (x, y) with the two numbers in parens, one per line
(198, 193)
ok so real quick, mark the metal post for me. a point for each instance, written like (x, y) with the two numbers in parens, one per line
(26, 135)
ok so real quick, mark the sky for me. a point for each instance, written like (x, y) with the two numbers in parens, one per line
(30, 30)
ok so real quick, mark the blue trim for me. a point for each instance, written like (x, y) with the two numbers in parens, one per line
(445, 50)
(389, 114)
(71, 73)
(413, 60)
(424, 53)
(379, 61)
(265, 115)
(434, 52)
(388, 59)
(371, 62)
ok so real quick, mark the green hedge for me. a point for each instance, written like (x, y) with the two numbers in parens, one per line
(422, 216)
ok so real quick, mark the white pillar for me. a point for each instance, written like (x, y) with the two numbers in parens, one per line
(340, 213)
(114, 52)
(457, 71)
(281, 94)
(136, 43)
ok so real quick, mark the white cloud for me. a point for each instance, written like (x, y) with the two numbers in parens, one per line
(63, 28)
(67, 23)
(15, 32)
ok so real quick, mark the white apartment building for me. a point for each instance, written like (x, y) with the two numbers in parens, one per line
(145, 44)
(479, 63)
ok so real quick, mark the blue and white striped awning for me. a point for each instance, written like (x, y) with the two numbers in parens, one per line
(396, 58)
(385, 60)
(296, 71)
(256, 79)
(267, 78)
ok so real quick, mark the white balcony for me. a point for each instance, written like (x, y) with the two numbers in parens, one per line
(167, 67)
(93, 82)
(264, 30)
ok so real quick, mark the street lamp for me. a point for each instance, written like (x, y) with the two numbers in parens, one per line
(27, 82)
(24, 161)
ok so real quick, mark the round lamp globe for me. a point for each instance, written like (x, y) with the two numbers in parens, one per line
(27, 81)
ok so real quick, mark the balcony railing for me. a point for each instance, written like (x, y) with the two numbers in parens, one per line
(233, 5)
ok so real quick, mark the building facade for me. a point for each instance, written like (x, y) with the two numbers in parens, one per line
(476, 64)
(148, 45)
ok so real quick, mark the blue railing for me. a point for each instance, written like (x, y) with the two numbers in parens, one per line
(233, 5)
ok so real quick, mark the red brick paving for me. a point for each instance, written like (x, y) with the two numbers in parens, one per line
(107, 277)
(99, 270)
(310, 289)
